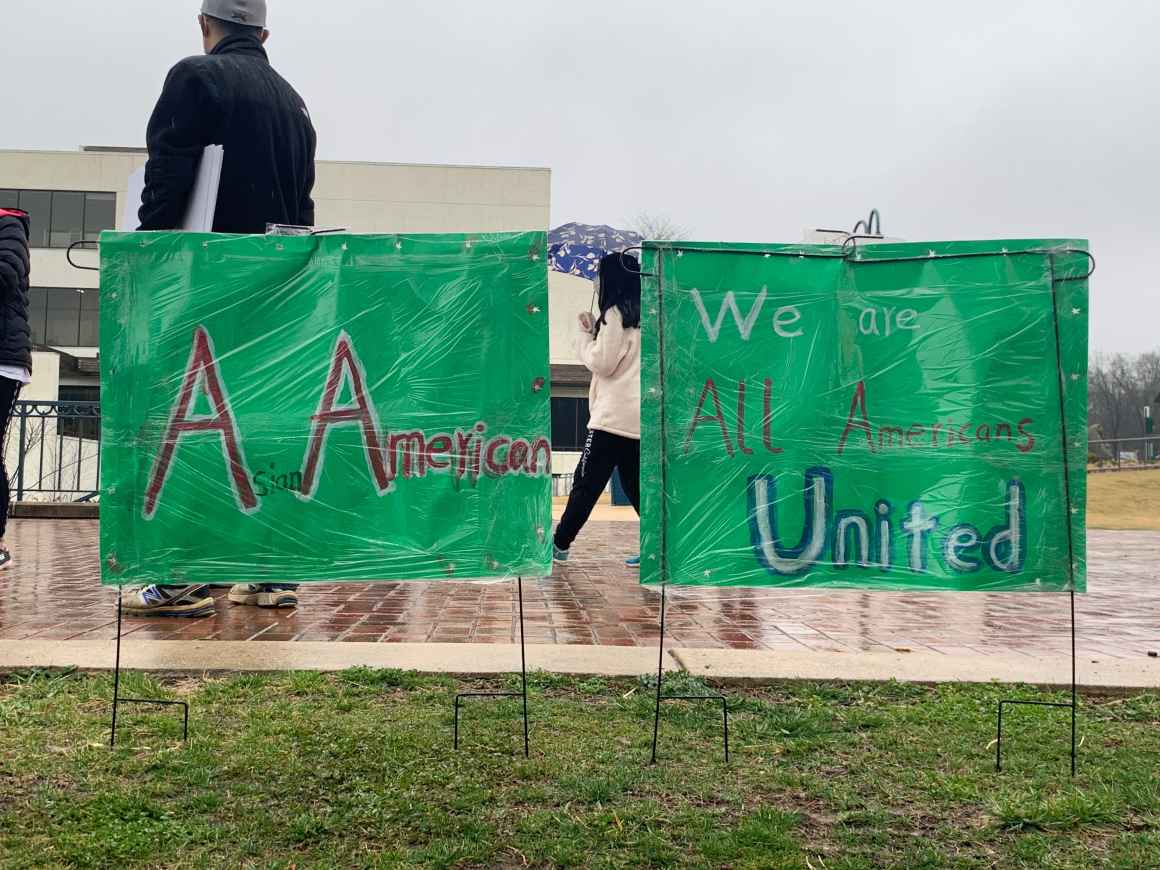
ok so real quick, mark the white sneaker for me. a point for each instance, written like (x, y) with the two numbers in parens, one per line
(190, 601)
(265, 594)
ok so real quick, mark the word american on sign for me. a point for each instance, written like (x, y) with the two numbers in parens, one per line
(466, 453)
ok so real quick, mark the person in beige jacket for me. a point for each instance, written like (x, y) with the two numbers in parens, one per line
(610, 348)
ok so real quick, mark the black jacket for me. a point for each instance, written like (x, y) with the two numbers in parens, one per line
(15, 335)
(233, 98)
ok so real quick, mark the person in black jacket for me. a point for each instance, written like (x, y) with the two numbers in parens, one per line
(15, 339)
(231, 97)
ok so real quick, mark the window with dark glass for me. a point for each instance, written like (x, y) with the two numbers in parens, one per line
(80, 393)
(569, 423)
(63, 322)
(80, 411)
(37, 309)
(68, 219)
(90, 327)
(38, 204)
(64, 317)
(61, 217)
(100, 213)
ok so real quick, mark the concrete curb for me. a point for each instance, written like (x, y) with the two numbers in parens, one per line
(464, 659)
(248, 656)
(763, 665)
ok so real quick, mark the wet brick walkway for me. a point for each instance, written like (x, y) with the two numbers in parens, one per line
(53, 593)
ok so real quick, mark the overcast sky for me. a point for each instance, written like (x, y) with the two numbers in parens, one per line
(746, 120)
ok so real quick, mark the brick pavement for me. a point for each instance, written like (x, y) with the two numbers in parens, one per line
(53, 593)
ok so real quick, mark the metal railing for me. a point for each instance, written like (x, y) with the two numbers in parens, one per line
(1135, 451)
(52, 451)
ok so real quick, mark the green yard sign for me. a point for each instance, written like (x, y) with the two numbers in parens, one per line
(326, 408)
(885, 417)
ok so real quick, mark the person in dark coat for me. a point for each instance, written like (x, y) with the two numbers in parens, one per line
(15, 339)
(230, 97)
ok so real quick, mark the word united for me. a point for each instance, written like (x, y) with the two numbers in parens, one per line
(867, 539)
(466, 453)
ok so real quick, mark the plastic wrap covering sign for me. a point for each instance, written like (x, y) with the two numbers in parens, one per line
(888, 417)
(324, 408)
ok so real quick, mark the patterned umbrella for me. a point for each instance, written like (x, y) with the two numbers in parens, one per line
(576, 249)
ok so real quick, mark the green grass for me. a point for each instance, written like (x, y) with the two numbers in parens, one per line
(356, 769)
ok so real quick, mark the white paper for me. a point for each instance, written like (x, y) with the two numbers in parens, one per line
(132, 202)
(202, 199)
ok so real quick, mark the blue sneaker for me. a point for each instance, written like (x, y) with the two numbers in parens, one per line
(265, 594)
(559, 555)
(188, 601)
(633, 561)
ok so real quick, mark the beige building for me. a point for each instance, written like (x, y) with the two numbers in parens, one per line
(74, 195)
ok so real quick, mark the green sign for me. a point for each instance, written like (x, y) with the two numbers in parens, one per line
(884, 417)
(326, 408)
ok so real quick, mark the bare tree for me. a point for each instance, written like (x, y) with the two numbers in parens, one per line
(1116, 395)
(1148, 378)
(657, 227)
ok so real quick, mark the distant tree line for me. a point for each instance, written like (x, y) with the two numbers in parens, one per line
(1120, 386)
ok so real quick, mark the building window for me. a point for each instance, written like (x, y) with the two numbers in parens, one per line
(63, 324)
(100, 214)
(569, 423)
(38, 204)
(68, 219)
(37, 307)
(90, 327)
(64, 317)
(60, 217)
(81, 420)
(80, 393)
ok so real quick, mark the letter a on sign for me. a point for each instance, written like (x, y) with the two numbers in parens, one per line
(202, 370)
(345, 365)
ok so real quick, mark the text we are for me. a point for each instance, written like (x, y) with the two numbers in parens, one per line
(872, 319)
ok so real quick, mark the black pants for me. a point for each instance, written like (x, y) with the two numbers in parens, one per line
(603, 452)
(9, 390)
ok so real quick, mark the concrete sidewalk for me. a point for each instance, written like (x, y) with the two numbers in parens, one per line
(483, 659)
(593, 616)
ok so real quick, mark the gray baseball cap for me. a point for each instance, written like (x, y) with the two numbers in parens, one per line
(252, 13)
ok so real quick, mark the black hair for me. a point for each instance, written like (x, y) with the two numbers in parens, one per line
(620, 289)
(234, 28)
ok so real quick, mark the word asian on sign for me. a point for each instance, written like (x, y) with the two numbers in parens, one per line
(893, 416)
(326, 408)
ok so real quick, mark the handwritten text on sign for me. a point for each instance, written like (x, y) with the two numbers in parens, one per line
(463, 453)
(327, 408)
(858, 427)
